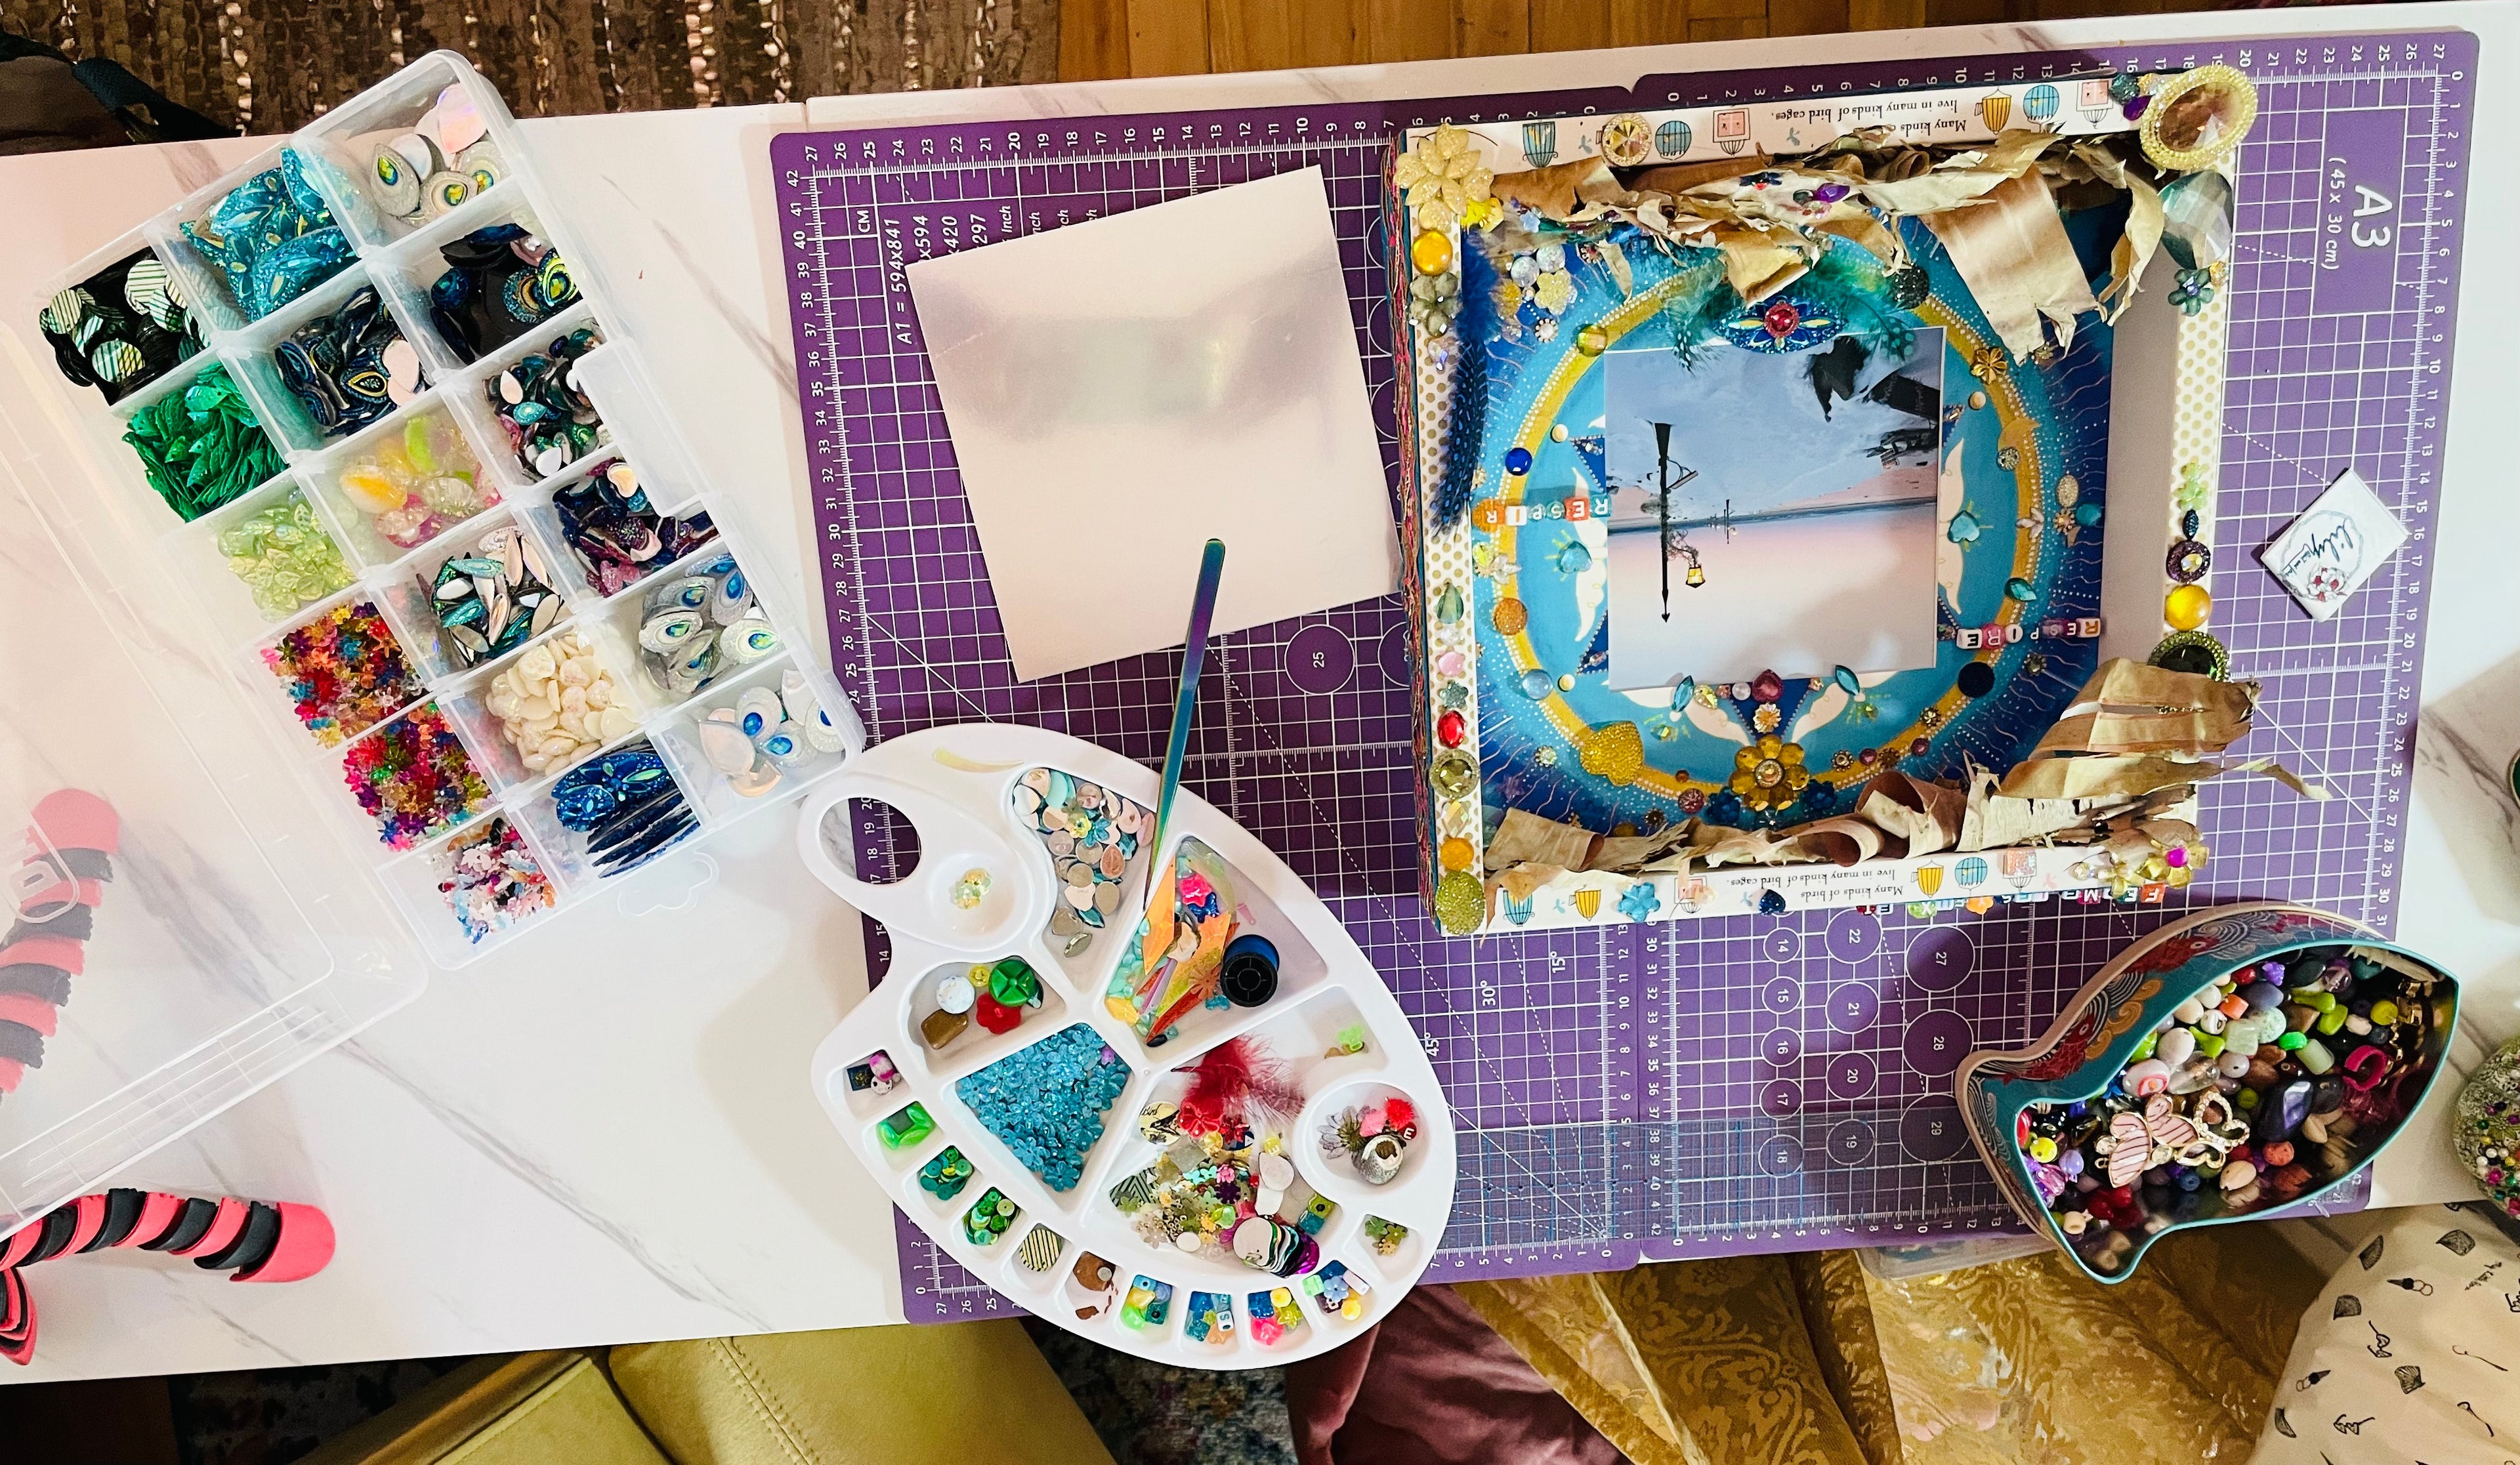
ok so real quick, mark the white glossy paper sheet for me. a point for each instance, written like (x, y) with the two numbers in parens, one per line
(1120, 390)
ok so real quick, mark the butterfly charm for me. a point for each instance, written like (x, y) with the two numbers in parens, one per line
(2132, 1151)
(2167, 1130)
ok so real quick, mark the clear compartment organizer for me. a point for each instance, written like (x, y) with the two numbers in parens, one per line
(222, 952)
(156, 554)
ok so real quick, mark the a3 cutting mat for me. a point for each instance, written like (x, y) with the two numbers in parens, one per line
(1708, 1086)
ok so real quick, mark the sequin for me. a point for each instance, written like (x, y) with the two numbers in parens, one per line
(120, 328)
(272, 237)
(202, 447)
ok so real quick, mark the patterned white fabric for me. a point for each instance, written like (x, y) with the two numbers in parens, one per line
(2412, 1354)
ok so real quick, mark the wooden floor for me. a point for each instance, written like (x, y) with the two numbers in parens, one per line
(1102, 38)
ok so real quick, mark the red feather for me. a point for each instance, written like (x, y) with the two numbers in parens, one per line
(1235, 1081)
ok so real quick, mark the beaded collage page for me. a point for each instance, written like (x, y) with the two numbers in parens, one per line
(1627, 1091)
(1584, 543)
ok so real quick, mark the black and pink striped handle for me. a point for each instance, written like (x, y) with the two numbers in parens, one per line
(71, 837)
(254, 1241)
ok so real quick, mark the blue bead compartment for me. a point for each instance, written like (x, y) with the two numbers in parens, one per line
(1049, 1102)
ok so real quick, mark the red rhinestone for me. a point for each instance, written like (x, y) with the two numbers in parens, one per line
(1450, 728)
(1781, 317)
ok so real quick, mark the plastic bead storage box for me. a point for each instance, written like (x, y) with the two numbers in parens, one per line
(369, 404)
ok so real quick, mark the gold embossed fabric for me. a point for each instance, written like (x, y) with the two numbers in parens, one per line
(1782, 1361)
(1686, 1361)
(1997, 1362)
(271, 65)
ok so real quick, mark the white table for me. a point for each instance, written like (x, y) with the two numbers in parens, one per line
(604, 1134)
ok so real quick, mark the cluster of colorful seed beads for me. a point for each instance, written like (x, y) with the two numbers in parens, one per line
(491, 880)
(2283, 1076)
(414, 779)
(2487, 1131)
(284, 558)
(345, 672)
(202, 447)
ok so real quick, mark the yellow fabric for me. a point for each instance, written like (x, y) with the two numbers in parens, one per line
(546, 1408)
(2029, 1360)
(889, 1396)
(1706, 1361)
(427, 1427)
(1776, 1361)
(575, 1419)
(1829, 1286)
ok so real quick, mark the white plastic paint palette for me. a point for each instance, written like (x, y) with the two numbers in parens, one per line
(989, 884)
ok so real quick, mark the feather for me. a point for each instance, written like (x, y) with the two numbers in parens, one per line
(1465, 426)
(1234, 1083)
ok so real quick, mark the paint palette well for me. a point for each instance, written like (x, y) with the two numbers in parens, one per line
(1016, 979)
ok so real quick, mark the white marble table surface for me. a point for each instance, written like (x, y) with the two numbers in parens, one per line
(604, 1134)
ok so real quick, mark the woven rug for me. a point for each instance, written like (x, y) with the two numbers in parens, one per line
(270, 65)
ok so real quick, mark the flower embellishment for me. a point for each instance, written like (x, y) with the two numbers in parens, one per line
(2193, 487)
(1764, 717)
(1553, 291)
(1769, 774)
(1640, 901)
(1444, 179)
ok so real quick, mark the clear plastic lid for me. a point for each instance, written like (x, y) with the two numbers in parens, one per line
(187, 928)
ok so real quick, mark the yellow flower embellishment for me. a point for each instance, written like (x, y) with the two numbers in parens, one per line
(1443, 178)
(1770, 773)
(1765, 717)
(1555, 291)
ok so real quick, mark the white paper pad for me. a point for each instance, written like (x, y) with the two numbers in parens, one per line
(1120, 390)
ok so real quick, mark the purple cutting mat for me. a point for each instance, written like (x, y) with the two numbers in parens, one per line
(1711, 1087)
